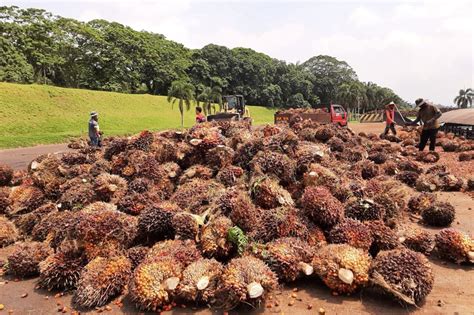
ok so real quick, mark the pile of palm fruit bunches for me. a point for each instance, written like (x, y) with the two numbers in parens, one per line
(224, 213)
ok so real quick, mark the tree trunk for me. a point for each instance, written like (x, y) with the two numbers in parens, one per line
(182, 113)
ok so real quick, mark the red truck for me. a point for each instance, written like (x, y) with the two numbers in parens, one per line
(333, 113)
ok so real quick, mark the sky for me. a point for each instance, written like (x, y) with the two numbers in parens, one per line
(417, 48)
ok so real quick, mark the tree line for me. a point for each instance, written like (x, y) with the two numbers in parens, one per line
(39, 47)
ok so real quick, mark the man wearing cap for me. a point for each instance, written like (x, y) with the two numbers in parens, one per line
(389, 119)
(429, 115)
(94, 131)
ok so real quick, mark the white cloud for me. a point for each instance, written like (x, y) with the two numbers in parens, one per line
(364, 17)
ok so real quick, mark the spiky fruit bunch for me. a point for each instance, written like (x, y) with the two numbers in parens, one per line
(246, 280)
(143, 141)
(74, 158)
(115, 147)
(369, 170)
(274, 163)
(428, 157)
(8, 232)
(154, 283)
(238, 206)
(246, 151)
(354, 155)
(319, 204)
(187, 225)
(230, 175)
(182, 251)
(324, 133)
(364, 210)
(201, 281)
(214, 242)
(428, 183)
(450, 146)
(405, 274)
(110, 187)
(140, 185)
(135, 202)
(383, 237)
(6, 174)
(343, 268)
(25, 258)
(195, 193)
(465, 156)
(379, 157)
(4, 201)
(318, 175)
(62, 270)
(390, 168)
(155, 223)
(418, 241)
(136, 255)
(409, 178)
(410, 166)
(451, 183)
(46, 174)
(351, 232)
(196, 171)
(455, 246)
(276, 223)
(438, 170)
(336, 144)
(220, 157)
(77, 193)
(54, 226)
(24, 199)
(390, 205)
(419, 203)
(470, 184)
(102, 279)
(267, 193)
(439, 214)
(287, 257)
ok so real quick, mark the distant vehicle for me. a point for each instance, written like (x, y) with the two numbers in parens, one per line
(333, 113)
(233, 109)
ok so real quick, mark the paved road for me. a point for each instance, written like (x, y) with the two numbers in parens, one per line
(21, 157)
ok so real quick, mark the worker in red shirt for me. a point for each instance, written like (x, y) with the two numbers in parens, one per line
(200, 118)
(390, 119)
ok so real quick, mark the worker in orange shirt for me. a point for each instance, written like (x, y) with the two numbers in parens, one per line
(390, 119)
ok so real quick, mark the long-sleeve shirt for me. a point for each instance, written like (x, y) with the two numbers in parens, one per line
(427, 113)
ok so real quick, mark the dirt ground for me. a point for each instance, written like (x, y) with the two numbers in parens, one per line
(453, 292)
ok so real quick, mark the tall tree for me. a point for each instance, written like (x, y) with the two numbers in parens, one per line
(183, 93)
(464, 99)
(210, 96)
(352, 94)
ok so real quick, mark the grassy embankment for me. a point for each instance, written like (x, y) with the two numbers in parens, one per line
(41, 114)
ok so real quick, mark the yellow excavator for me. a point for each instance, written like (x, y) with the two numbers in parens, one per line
(233, 109)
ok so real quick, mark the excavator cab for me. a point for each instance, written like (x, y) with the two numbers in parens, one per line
(233, 109)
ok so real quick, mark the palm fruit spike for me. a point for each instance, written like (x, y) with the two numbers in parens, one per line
(102, 279)
(364, 210)
(214, 242)
(267, 193)
(154, 283)
(27, 222)
(238, 206)
(273, 163)
(230, 175)
(405, 274)
(455, 246)
(6, 174)
(110, 187)
(136, 255)
(25, 258)
(383, 237)
(201, 280)
(418, 241)
(246, 280)
(155, 223)
(439, 214)
(24, 199)
(237, 237)
(62, 270)
(8, 232)
(343, 268)
(287, 257)
(324, 209)
(187, 225)
(195, 193)
(420, 202)
(278, 222)
(351, 232)
(184, 252)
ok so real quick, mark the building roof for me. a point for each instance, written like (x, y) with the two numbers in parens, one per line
(463, 116)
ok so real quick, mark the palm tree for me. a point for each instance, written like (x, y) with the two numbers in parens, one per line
(353, 94)
(464, 98)
(183, 92)
(210, 95)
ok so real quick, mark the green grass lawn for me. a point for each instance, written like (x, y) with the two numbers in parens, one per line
(41, 114)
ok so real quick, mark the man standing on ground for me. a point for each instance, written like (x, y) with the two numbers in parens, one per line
(94, 130)
(390, 119)
(429, 115)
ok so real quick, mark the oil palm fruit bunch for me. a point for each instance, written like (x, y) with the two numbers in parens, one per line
(307, 153)
(8, 232)
(220, 157)
(391, 168)
(351, 232)
(428, 156)
(450, 146)
(6, 174)
(196, 171)
(155, 222)
(101, 280)
(274, 163)
(77, 193)
(408, 177)
(420, 202)
(410, 166)
(439, 214)
(200, 281)
(428, 182)
(137, 254)
(336, 144)
(182, 251)
(28, 221)
(230, 175)
(214, 242)
(246, 280)
(48, 224)
(384, 238)
(4, 201)
(403, 273)
(439, 170)
(154, 283)
(324, 132)
(246, 151)
(364, 210)
(61, 271)
(378, 157)
(135, 203)
(369, 169)
(355, 154)
(276, 223)
(238, 206)
(187, 225)
(418, 240)
(392, 207)
(319, 205)
(451, 183)
(139, 185)
(115, 147)
(110, 187)
(142, 141)
(318, 175)
(267, 193)
(24, 260)
(343, 268)
(454, 245)
(75, 158)
(195, 193)
(24, 199)
(46, 174)
(288, 257)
